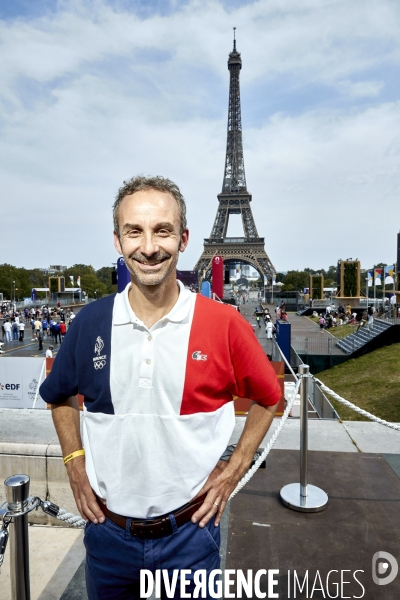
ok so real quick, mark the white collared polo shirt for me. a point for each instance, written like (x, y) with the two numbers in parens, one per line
(158, 410)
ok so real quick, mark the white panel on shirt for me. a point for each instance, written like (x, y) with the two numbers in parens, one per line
(147, 459)
(148, 366)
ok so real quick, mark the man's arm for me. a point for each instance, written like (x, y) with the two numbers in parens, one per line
(226, 475)
(67, 423)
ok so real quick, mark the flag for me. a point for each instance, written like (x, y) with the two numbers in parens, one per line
(72, 279)
(274, 279)
(78, 281)
(389, 272)
(378, 276)
(370, 278)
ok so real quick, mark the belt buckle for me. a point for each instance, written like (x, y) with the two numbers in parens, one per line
(144, 530)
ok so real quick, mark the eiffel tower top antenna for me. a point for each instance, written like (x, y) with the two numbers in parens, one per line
(234, 174)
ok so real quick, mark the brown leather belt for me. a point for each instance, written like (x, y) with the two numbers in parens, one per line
(158, 527)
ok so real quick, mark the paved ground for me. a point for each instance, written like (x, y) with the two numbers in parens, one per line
(30, 347)
(301, 327)
(361, 519)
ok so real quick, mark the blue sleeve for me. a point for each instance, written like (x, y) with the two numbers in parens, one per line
(62, 381)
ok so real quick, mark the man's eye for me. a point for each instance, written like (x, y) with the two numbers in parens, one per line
(163, 232)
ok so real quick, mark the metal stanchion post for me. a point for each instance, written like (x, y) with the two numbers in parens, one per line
(17, 495)
(303, 496)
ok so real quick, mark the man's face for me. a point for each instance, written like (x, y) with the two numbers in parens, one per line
(150, 238)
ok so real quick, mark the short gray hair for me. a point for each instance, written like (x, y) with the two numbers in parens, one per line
(139, 183)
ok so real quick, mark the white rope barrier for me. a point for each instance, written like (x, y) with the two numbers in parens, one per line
(71, 519)
(358, 410)
(246, 478)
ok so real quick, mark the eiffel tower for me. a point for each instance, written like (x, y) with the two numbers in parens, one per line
(234, 198)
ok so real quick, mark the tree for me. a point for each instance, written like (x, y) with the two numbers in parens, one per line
(7, 276)
(77, 271)
(104, 275)
(295, 281)
(93, 286)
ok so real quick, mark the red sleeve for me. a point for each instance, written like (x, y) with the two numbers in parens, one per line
(254, 375)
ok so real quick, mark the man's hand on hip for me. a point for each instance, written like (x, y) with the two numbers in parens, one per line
(226, 475)
(219, 485)
(84, 496)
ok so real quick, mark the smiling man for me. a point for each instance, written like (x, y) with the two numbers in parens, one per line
(158, 367)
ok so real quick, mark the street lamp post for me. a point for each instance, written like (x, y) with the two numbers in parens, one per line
(14, 290)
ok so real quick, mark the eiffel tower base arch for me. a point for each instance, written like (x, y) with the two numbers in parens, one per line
(251, 252)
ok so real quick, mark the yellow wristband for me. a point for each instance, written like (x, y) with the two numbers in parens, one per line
(73, 455)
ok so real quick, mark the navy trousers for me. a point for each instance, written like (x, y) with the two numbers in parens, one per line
(114, 558)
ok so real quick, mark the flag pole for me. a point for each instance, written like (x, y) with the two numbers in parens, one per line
(383, 284)
(374, 287)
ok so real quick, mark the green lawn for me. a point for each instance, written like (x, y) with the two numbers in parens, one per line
(340, 331)
(371, 382)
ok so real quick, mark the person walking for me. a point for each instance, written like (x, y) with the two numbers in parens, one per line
(370, 315)
(15, 331)
(154, 375)
(269, 329)
(7, 330)
(38, 327)
(321, 324)
(56, 332)
(45, 325)
(21, 328)
(40, 340)
(63, 331)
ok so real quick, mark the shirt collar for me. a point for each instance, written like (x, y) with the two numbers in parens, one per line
(123, 313)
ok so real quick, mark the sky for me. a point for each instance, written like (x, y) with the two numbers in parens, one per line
(96, 91)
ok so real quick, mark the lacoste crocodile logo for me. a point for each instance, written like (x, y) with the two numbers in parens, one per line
(197, 355)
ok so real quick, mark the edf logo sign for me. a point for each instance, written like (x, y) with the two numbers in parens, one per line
(10, 386)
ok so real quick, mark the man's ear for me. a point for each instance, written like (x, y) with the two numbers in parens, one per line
(117, 243)
(184, 240)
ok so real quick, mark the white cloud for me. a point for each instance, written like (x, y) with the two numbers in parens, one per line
(91, 96)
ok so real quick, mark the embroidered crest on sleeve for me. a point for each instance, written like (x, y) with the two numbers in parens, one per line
(99, 361)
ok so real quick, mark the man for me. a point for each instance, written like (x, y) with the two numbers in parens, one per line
(44, 326)
(56, 332)
(21, 328)
(38, 327)
(63, 331)
(7, 330)
(49, 352)
(158, 367)
(15, 330)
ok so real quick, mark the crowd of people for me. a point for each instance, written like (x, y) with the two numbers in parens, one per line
(264, 313)
(45, 322)
(345, 315)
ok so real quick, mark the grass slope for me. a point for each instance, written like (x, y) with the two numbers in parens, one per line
(371, 382)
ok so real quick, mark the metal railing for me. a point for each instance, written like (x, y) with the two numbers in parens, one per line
(320, 402)
(313, 345)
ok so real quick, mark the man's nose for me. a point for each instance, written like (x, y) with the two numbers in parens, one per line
(149, 246)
